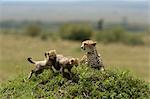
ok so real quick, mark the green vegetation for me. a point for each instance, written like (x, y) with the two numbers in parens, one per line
(118, 35)
(76, 31)
(100, 24)
(33, 30)
(86, 83)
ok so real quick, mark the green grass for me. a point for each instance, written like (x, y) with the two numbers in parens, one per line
(86, 83)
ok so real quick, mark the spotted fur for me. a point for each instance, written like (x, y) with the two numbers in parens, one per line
(68, 63)
(61, 62)
(91, 58)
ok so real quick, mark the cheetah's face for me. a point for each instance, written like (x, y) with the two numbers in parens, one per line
(51, 54)
(74, 61)
(88, 45)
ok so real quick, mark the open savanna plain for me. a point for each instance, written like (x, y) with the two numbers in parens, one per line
(15, 49)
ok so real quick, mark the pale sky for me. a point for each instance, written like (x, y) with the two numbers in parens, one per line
(77, 12)
(73, 0)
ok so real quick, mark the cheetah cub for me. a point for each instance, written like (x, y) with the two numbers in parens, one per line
(91, 58)
(60, 63)
(68, 63)
(41, 65)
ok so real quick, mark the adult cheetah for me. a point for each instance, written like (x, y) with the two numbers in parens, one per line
(91, 58)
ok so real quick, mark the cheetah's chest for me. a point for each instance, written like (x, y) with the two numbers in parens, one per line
(93, 60)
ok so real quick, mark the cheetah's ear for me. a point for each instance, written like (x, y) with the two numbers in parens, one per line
(85, 39)
(94, 43)
(76, 59)
(46, 53)
(54, 51)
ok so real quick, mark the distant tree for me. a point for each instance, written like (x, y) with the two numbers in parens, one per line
(125, 22)
(100, 24)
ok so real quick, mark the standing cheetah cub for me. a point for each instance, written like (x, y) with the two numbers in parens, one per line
(91, 58)
(41, 65)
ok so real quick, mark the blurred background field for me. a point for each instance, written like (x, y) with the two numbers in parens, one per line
(28, 29)
(16, 49)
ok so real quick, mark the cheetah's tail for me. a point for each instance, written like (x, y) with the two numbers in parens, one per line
(31, 61)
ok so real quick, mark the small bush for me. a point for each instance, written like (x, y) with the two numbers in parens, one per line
(44, 36)
(33, 30)
(76, 31)
(86, 83)
(133, 40)
(47, 35)
(111, 35)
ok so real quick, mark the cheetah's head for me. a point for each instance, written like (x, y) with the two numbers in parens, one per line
(74, 61)
(51, 54)
(88, 45)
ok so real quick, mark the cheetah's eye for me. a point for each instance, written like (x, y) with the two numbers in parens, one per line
(85, 44)
(94, 44)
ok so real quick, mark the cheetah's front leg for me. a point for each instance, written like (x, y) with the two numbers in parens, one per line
(31, 73)
(84, 60)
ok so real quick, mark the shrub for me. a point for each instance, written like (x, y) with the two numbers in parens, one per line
(133, 40)
(75, 31)
(86, 83)
(118, 35)
(111, 35)
(44, 36)
(33, 30)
